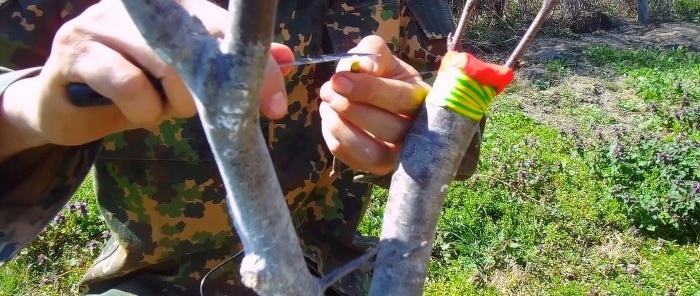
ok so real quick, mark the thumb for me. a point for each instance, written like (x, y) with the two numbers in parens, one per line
(382, 65)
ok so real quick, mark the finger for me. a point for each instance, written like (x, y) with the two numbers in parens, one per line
(353, 146)
(114, 77)
(273, 102)
(282, 55)
(383, 125)
(179, 102)
(98, 25)
(357, 64)
(382, 65)
(128, 42)
(76, 125)
(392, 95)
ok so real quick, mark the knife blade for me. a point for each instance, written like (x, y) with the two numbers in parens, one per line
(81, 95)
(324, 58)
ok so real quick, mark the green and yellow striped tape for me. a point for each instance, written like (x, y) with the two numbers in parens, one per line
(456, 91)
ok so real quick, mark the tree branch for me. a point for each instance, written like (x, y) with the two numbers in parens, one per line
(225, 80)
(433, 150)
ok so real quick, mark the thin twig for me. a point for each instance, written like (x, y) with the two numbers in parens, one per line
(532, 31)
(455, 37)
(362, 262)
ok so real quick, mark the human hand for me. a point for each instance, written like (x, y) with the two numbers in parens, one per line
(366, 114)
(103, 48)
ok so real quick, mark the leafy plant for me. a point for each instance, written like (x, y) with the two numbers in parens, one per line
(657, 174)
(688, 10)
(56, 260)
(659, 180)
(661, 76)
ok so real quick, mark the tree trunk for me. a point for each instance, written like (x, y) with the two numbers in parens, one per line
(434, 147)
(643, 11)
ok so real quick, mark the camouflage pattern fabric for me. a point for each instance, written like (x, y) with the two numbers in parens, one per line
(160, 191)
(34, 184)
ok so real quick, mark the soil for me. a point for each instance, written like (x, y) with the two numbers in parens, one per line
(589, 88)
(627, 35)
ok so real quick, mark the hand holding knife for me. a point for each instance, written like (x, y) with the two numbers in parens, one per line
(81, 95)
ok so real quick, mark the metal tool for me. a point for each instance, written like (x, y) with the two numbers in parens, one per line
(81, 95)
(324, 58)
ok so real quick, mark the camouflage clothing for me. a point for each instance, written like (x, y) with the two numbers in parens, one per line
(35, 184)
(160, 191)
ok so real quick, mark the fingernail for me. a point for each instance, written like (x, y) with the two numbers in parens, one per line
(343, 85)
(278, 104)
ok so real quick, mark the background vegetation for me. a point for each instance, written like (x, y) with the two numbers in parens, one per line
(589, 180)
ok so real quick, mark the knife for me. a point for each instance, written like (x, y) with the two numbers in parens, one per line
(324, 58)
(81, 95)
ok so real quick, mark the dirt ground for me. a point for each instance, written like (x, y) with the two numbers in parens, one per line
(594, 89)
(628, 35)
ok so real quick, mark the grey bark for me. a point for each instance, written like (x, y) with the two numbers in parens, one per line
(225, 80)
(531, 33)
(433, 149)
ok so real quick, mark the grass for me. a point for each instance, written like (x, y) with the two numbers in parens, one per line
(542, 217)
(549, 212)
(657, 174)
(54, 263)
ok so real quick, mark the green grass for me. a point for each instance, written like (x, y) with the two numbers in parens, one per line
(688, 10)
(54, 263)
(549, 212)
(542, 216)
(656, 172)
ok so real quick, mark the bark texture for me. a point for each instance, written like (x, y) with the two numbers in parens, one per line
(225, 79)
(434, 148)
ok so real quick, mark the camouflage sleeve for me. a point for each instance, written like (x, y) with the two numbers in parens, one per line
(425, 27)
(415, 30)
(36, 183)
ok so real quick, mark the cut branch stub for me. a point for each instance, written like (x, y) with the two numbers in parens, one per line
(225, 79)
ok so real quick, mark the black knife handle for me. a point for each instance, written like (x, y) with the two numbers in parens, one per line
(81, 95)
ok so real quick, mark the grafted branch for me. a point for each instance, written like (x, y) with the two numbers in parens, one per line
(433, 149)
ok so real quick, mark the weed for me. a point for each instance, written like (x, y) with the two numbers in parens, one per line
(688, 10)
(57, 259)
(656, 174)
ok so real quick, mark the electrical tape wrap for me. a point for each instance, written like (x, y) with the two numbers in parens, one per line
(467, 85)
